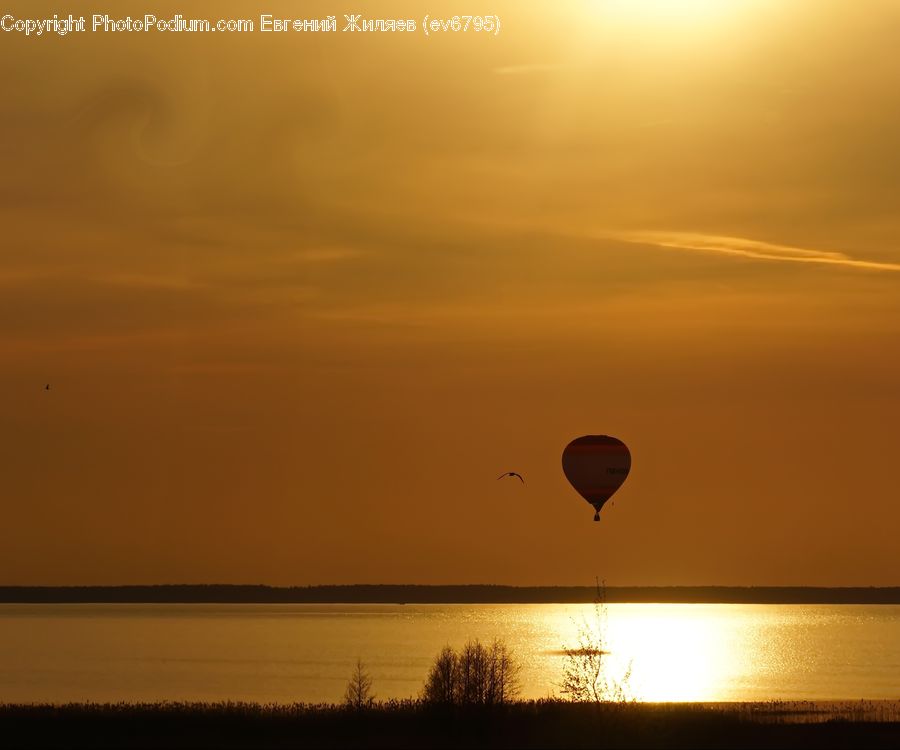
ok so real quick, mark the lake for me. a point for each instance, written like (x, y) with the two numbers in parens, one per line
(305, 652)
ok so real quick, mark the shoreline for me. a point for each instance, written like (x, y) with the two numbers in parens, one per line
(827, 709)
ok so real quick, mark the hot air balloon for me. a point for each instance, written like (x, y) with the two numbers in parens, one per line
(596, 466)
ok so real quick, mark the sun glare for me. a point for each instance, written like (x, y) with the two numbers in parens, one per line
(674, 652)
(667, 12)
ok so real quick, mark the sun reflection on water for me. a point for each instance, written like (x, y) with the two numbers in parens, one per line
(675, 652)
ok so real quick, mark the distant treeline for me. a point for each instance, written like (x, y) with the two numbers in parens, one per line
(470, 594)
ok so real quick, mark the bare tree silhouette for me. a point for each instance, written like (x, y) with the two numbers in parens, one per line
(586, 677)
(359, 693)
(441, 683)
(478, 675)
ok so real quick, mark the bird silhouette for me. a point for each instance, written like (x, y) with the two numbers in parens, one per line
(47, 387)
(512, 474)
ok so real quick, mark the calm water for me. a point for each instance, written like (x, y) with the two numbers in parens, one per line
(286, 653)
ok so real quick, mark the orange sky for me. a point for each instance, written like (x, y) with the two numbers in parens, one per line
(302, 298)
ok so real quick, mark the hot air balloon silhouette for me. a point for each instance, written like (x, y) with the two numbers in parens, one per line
(596, 466)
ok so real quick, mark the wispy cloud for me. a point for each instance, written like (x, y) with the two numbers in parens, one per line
(135, 280)
(146, 281)
(513, 70)
(325, 254)
(746, 248)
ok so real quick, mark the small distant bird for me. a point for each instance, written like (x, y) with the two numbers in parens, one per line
(47, 387)
(512, 474)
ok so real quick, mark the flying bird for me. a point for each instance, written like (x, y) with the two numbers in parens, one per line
(47, 387)
(512, 474)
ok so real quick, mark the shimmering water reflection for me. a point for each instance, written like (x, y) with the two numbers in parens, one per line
(286, 653)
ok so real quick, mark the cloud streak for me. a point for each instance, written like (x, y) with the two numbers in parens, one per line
(528, 68)
(746, 248)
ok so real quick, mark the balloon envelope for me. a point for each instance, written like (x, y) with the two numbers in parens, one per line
(596, 466)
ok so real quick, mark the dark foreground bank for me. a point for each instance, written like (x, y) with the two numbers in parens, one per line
(544, 724)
